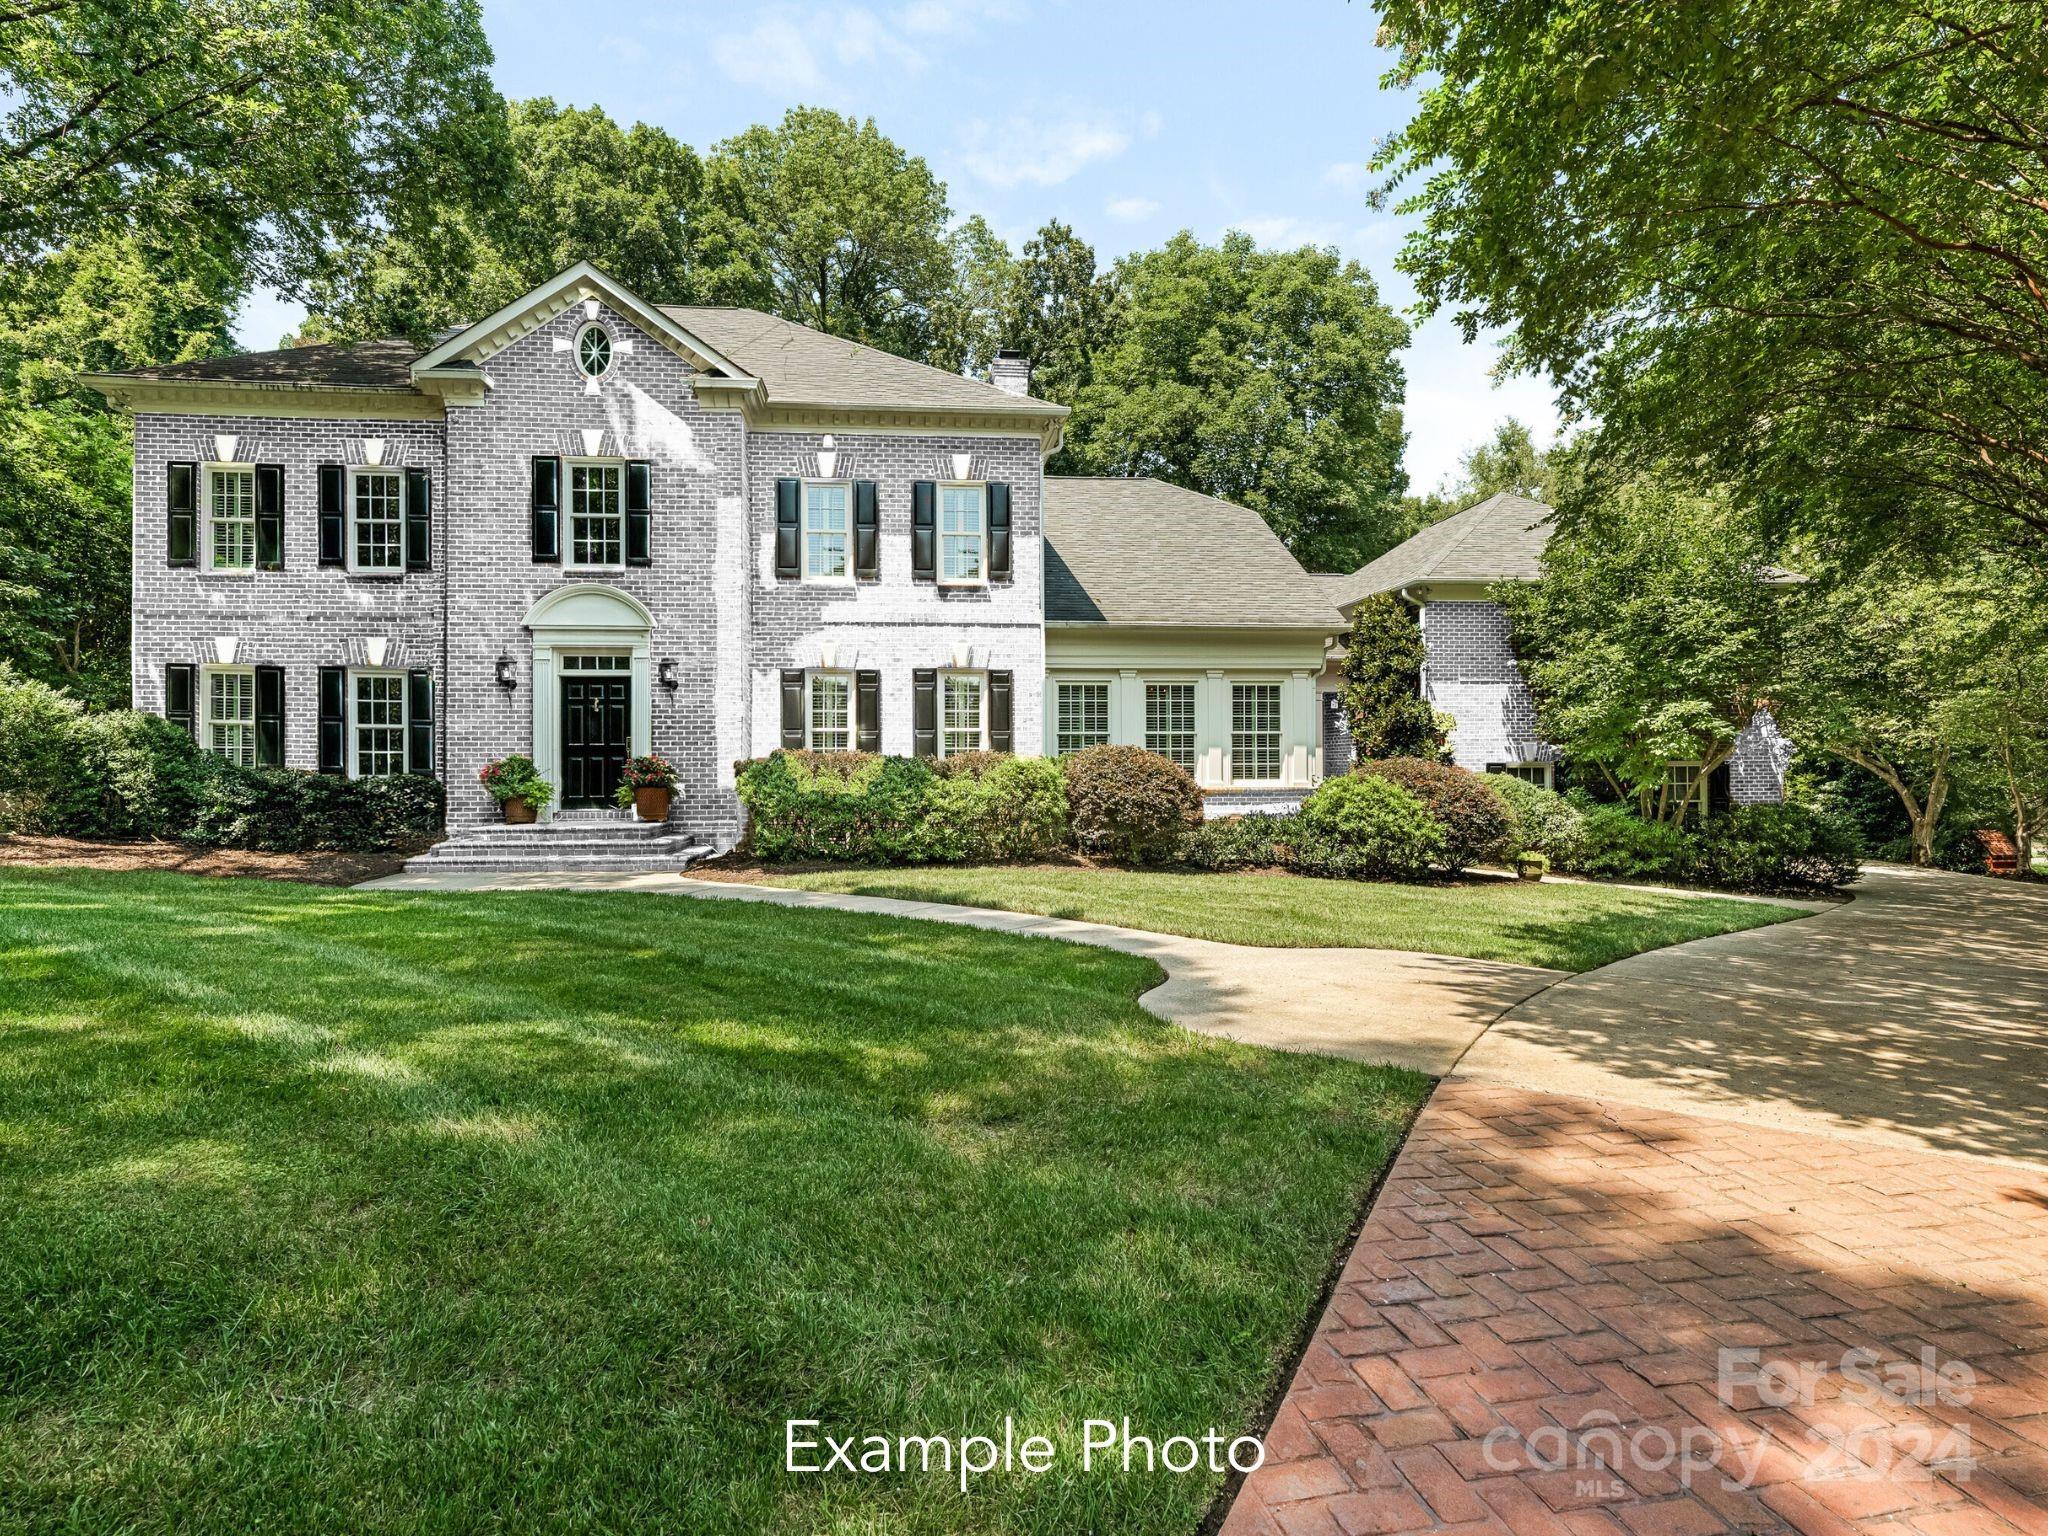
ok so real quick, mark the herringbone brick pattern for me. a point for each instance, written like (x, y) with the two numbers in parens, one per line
(1529, 1337)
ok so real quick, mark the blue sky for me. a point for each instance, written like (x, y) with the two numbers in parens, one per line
(1129, 119)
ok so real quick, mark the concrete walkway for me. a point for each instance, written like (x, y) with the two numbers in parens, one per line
(1380, 1005)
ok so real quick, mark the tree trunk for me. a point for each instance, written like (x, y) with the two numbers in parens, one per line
(1921, 817)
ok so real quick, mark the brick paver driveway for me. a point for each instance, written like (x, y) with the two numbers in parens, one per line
(1643, 1307)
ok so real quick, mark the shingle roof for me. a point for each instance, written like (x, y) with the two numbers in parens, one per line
(1145, 552)
(801, 366)
(1500, 539)
(365, 365)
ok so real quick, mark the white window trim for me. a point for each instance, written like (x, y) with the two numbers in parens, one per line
(206, 566)
(1232, 684)
(939, 533)
(569, 468)
(1172, 680)
(1549, 769)
(404, 715)
(1084, 680)
(576, 351)
(803, 529)
(833, 674)
(203, 706)
(355, 471)
(981, 678)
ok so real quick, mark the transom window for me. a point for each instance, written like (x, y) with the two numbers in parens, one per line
(825, 531)
(593, 352)
(231, 519)
(1170, 722)
(597, 661)
(597, 525)
(831, 712)
(231, 716)
(960, 535)
(379, 504)
(1255, 731)
(960, 724)
(1082, 717)
(379, 723)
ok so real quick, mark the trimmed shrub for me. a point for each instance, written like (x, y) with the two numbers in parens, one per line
(859, 807)
(1619, 845)
(1541, 821)
(1131, 805)
(128, 774)
(1367, 826)
(1257, 841)
(1475, 820)
(1001, 807)
(1776, 848)
(35, 720)
(288, 810)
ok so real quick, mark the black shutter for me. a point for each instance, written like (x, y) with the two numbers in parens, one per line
(639, 512)
(867, 695)
(793, 707)
(1002, 736)
(788, 529)
(867, 543)
(924, 712)
(270, 717)
(547, 510)
(419, 722)
(924, 526)
(269, 519)
(998, 531)
(181, 507)
(333, 522)
(181, 682)
(1720, 784)
(334, 719)
(419, 520)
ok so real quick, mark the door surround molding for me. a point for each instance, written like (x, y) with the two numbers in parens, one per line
(586, 616)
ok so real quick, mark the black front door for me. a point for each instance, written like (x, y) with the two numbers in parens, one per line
(595, 712)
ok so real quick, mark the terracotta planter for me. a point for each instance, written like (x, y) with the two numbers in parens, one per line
(518, 812)
(651, 804)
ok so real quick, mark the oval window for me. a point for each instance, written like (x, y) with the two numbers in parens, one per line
(594, 352)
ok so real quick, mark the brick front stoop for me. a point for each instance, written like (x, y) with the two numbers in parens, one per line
(1541, 1274)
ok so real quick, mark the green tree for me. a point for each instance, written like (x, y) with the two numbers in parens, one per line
(1383, 657)
(1268, 378)
(1803, 239)
(262, 128)
(970, 318)
(1653, 635)
(1508, 461)
(1059, 314)
(579, 187)
(825, 221)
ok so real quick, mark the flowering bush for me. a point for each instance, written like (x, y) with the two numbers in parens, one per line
(515, 778)
(653, 771)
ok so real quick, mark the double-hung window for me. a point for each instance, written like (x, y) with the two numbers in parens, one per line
(1170, 722)
(961, 723)
(379, 725)
(1255, 731)
(378, 507)
(1081, 717)
(826, 536)
(1681, 787)
(831, 712)
(231, 716)
(597, 522)
(231, 518)
(962, 562)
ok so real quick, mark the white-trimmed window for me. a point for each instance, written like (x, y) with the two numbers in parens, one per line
(829, 715)
(231, 714)
(1254, 732)
(828, 537)
(594, 351)
(1535, 773)
(376, 724)
(962, 540)
(963, 715)
(1681, 784)
(597, 518)
(1170, 722)
(377, 511)
(231, 517)
(1081, 716)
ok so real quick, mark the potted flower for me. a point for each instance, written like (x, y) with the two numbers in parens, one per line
(1531, 865)
(652, 780)
(517, 786)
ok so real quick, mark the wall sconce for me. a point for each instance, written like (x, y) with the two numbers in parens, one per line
(667, 674)
(507, 677)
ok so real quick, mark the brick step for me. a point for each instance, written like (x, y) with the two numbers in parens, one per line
(540, 850)
(590, 832)
(674, 862)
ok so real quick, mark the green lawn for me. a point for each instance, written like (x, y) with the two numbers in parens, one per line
(353, 1211)
(1570, 926)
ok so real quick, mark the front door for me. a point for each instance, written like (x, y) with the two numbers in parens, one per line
(595, 713)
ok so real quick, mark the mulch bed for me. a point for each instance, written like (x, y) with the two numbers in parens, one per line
(190, 859)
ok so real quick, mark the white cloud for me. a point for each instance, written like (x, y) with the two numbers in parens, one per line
(1285, 232)
(1043, 151)
(1347, 175)
(1129, 210)
(1454, 401)
(797, 50)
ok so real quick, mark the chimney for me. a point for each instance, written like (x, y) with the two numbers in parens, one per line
(1010, 372)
